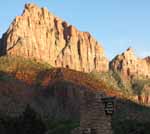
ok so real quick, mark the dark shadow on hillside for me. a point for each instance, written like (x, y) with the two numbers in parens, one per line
(131, 118)
(14, 94)
(29, 122)
(58, 101)
(3, 45)
(62, 95)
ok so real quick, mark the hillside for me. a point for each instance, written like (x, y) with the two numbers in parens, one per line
(55, 93)
(40, 79)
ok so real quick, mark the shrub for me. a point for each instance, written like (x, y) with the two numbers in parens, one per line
(62, 126)
(28, 123)
(131, 127)
(138, 86)
(19, 64)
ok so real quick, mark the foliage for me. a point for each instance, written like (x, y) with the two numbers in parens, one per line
(5, 77)
(62, 126)
(113, 81)
(28, 123)
(138, 86)
(31, 122)
(131, 127)
(19, 64)
(106, 77)
(123, 84)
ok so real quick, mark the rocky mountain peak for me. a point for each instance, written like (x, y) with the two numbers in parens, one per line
(129, 54)
(38, 34)
(31, 6)
(129, 51)
(130, 66)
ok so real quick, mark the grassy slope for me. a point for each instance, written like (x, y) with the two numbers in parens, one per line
(22, 69)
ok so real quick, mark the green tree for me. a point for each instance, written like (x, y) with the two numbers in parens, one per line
(140, 88)
(31, 122)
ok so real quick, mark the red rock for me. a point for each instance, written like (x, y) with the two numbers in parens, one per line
(131, 66)
(38, 34)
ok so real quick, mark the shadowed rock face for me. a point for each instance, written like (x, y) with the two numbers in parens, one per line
(0, 45)
(147, 59)
(130, 66)
(38, 34)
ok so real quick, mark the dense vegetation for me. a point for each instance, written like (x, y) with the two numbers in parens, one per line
(129, 88)
(30, 122)
(131, 127)
(62, 126)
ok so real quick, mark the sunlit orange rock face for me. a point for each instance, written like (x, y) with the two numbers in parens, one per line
(39, 35)
(130, 66)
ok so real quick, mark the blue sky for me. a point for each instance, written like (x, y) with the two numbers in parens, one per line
(117, 24)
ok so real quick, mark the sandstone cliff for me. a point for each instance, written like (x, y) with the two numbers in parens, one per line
(131, 66)
(39, 35)
(147, 59)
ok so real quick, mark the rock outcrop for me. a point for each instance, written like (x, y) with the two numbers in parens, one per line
(147, 59)
(39, 35)
(131, 66)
